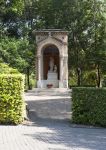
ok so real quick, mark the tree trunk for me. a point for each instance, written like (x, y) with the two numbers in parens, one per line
(98, 76)
(78, 76)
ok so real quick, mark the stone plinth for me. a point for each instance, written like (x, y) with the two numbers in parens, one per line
(45, 83)
(52, 76)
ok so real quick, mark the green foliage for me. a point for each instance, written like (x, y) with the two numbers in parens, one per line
(17, 53)
(72, 78)
(5, 69)
(32, 82)
(104, 81)
(90, 78)
(89, 106)
(11, 98)
(85, 20)
(72, 82)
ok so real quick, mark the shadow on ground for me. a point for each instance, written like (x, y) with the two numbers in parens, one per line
(51, 108)
(61, 135)
(52, 119)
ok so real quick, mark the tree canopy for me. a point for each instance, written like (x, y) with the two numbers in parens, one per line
(85, 20)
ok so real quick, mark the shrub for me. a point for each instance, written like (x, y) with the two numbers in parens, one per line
(90, 78)
(4, 68)
(72, 79)
(11, 98)
(89, 106)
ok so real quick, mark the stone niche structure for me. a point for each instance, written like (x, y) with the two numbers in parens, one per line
(52, 58)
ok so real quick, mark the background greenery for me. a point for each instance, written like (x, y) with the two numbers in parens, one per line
(84, 20)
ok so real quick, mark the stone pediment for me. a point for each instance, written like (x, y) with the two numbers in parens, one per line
(56, 35)
(53, 38)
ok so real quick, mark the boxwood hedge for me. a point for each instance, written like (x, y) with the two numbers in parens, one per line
(89, 106)
(11, 98)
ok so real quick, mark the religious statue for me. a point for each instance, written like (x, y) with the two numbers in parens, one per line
(51, 64)
(55, 68)
(52, 73)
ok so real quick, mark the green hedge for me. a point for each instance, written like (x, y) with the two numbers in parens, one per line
(6, 69)
(11, 99)
(89, 106)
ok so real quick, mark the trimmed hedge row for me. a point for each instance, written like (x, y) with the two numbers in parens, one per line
(11, 98)
(6, 69)
(89, 106)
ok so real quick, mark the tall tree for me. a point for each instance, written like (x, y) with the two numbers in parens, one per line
(85, 21)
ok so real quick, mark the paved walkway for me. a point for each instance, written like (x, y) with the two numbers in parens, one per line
(50, 133)
(49, 104)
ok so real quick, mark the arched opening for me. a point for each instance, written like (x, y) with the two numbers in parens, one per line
(50, 51)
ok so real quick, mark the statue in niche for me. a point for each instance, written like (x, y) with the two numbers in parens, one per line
(51, 64)
(52, 73)
(55, 68)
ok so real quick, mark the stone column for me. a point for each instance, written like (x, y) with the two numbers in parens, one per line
(61, 67)
(36, 68)
(39, 71)
(61, 72)
(66, 67)
(39, 67)
(65, 76)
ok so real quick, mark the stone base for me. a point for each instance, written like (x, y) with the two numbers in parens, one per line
(54, 83)
(45, 83)
(63, 84)
(52, 76)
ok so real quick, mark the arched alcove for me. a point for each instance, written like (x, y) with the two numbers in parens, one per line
(50, 51)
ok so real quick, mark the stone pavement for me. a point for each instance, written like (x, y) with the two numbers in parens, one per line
(50, 133)
(51, 103)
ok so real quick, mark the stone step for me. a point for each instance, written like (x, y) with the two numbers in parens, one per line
(50, 91)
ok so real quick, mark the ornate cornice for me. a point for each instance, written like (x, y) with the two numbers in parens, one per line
(48, 31)
(55, 38)
(59, 40)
